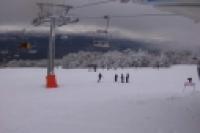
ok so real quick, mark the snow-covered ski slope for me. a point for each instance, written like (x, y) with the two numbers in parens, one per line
(153, 101)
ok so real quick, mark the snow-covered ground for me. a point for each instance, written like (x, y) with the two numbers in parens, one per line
(153, 101)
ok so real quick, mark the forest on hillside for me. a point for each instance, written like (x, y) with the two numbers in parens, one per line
(114, 59)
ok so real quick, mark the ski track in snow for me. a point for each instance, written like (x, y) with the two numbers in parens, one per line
(153, 101)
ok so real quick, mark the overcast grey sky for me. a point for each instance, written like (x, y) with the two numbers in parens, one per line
(175, 30)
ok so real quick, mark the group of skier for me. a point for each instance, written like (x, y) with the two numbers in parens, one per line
(124, 78)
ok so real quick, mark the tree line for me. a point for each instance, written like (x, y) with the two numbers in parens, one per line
(114, 59)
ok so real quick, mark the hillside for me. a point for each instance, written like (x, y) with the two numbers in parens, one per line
(10, 43)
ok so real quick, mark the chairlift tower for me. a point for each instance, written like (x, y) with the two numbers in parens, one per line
(55, 15)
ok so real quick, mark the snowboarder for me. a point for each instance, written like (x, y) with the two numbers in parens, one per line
(99, 77)
(127, 78)
(116, 78)
(122, 78)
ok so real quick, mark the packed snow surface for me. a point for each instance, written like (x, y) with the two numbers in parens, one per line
(153, 101)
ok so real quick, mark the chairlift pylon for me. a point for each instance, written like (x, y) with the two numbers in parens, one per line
(55, 15)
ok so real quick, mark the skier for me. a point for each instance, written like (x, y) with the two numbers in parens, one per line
(189, 80)
(122, 78)
(116, 78)
(189, 83)
(99, 77)
(198, 69)
(127, 78)
(95, 68)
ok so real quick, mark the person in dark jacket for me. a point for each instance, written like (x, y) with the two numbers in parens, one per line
(127, 78)
(122, 78)
(99, 77)
(198, 69)
(116, 77)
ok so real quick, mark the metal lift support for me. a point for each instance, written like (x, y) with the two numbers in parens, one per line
(55, 15)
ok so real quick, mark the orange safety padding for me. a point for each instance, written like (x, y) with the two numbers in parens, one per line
(51, 81)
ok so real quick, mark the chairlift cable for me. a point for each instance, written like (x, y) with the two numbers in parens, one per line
(94, 3)
(144, 15)
(128, 16)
